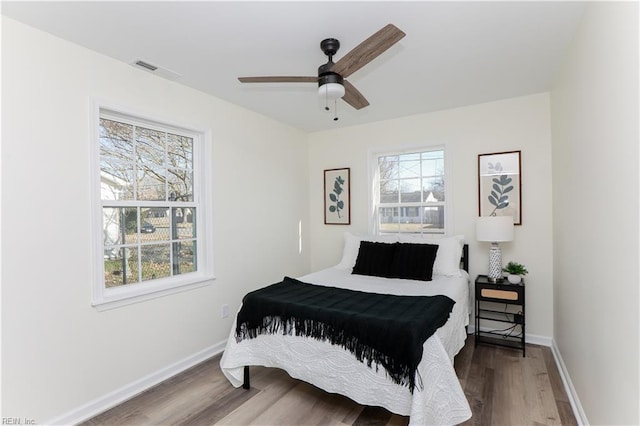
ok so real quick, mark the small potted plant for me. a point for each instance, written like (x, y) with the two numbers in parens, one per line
(516, 271)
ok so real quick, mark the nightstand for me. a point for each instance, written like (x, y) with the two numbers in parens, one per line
(511, 296)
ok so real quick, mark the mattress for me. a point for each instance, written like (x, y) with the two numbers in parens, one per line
(438, 398)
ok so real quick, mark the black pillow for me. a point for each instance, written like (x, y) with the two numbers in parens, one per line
(374, 259)
(413, 261)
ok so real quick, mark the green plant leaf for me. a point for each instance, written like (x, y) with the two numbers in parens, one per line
(505, 180)
(515, 268)
(493, 201)
(341, 205)
(507, 189)
(333, 197)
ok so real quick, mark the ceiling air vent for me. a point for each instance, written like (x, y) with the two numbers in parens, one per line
(143, 64)
(159, 71)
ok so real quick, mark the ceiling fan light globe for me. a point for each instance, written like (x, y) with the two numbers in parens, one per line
(331, 91)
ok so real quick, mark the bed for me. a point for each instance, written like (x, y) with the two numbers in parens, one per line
(437, 397)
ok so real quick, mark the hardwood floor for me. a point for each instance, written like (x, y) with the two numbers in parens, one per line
(502, 387)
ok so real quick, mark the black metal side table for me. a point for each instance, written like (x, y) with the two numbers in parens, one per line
(512, 297)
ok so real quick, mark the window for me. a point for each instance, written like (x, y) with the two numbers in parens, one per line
(409, 192)
(150, 209)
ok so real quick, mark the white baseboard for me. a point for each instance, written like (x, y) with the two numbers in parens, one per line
(529, 338)
(578, 411)
(118, 396)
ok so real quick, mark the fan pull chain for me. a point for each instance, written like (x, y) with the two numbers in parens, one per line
(326, 104)
(326, 98)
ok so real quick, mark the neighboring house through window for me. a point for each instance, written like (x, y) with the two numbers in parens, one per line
(409, 192)
(149, 213)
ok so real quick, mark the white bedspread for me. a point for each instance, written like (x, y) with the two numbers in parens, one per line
(440, 401)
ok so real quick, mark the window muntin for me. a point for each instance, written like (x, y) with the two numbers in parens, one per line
(150, 205)
(410, 193)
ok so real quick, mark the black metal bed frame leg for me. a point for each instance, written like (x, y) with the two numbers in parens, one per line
(247, 381)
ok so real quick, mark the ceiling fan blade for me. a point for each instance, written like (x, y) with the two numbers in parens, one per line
(353, 97)
(368, 50)
(278, 79)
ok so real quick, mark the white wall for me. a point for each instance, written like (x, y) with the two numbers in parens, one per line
(595, 213)
(513, 124)
(58, 352)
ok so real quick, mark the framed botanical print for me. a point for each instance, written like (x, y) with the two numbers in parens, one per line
(500, 185)
(337, 194)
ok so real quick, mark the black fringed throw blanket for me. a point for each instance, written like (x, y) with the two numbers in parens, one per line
(387, 329)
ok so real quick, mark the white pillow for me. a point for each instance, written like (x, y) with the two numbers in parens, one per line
(352, 246)
(449, 252)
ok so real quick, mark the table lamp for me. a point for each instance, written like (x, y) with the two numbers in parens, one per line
(494, 229)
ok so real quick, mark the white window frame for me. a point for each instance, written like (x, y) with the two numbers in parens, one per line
(374, 180)
(108, 298)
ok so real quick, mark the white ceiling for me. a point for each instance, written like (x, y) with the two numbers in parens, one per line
(454, 53)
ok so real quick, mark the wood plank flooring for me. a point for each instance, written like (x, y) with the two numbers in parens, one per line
(502, 388)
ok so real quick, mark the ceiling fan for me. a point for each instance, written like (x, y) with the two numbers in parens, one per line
(331, 76)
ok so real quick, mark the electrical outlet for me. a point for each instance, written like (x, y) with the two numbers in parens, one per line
(225, 311)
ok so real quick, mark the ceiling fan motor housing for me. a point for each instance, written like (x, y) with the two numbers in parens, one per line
(329, 46)
(329, 77)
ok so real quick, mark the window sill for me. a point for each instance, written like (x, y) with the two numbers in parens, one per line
(116, 298)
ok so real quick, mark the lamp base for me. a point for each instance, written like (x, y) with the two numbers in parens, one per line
(495, 263)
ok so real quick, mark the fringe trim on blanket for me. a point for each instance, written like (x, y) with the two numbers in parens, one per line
(399, 373)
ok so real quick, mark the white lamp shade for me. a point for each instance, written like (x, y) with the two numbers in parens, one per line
(331, 91)
(494, 229)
